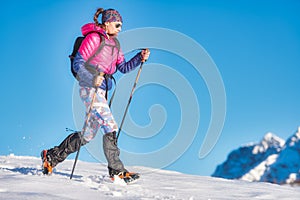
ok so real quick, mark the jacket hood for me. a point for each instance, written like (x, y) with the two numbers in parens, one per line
(91, 27)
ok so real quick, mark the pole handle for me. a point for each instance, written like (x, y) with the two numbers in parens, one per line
(146, 50)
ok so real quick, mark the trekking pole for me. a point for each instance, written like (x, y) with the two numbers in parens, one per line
(131, 94)
(85, 124)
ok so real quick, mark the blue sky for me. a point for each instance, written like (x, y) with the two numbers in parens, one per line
(254, 44)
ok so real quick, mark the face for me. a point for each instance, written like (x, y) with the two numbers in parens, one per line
(113, 28)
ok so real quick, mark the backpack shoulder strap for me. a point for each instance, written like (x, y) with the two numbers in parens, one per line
(117, 43)
(114, 92)
(102, 43)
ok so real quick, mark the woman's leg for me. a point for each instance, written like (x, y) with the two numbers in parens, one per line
(103, 117)
(69, 145)
(72, 142)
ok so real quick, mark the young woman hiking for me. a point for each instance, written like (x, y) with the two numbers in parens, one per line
(98, 57)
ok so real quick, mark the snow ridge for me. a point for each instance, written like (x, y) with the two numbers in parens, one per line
(271, 160)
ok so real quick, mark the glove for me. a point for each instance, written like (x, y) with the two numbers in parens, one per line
(145, 53)
(98, 80)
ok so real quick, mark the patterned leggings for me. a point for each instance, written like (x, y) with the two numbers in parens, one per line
(101, 115)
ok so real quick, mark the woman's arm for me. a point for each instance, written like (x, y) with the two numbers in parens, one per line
(126, 67)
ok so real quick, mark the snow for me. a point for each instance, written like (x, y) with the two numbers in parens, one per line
(292, 178)
(256, 173)
(21, 178)
(269, 140)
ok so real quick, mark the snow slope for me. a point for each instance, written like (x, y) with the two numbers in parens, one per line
(21, 178)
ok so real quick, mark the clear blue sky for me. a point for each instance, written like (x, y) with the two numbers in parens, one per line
(254, 44)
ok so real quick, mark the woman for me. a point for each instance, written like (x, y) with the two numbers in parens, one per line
(99, 53)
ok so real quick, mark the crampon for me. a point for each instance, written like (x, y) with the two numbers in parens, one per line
(46, 165)
(127, 177)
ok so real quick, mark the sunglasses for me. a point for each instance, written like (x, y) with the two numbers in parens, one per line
(118, 25)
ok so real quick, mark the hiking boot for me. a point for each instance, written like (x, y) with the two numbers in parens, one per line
(46, 160)
(131, 177)
(128, 177)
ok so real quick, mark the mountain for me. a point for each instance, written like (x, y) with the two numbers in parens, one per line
(21, 178)
(271, 160)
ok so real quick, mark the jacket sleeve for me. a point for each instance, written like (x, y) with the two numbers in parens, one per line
(126, 67)
(85, 77)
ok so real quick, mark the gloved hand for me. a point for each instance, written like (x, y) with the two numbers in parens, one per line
(98, 80)
(145, 54)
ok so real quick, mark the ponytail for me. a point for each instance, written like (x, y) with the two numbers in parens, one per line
(98, 12)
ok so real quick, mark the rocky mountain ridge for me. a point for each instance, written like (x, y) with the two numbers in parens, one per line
(271, 160)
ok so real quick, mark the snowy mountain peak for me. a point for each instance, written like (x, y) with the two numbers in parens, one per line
(273, 140)
(269, 141)
(298, 132)
(294, 140)
(271, 160)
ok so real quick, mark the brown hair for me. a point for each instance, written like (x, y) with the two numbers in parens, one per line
(96, 15)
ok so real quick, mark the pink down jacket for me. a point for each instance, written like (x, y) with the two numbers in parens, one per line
(108, 60)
